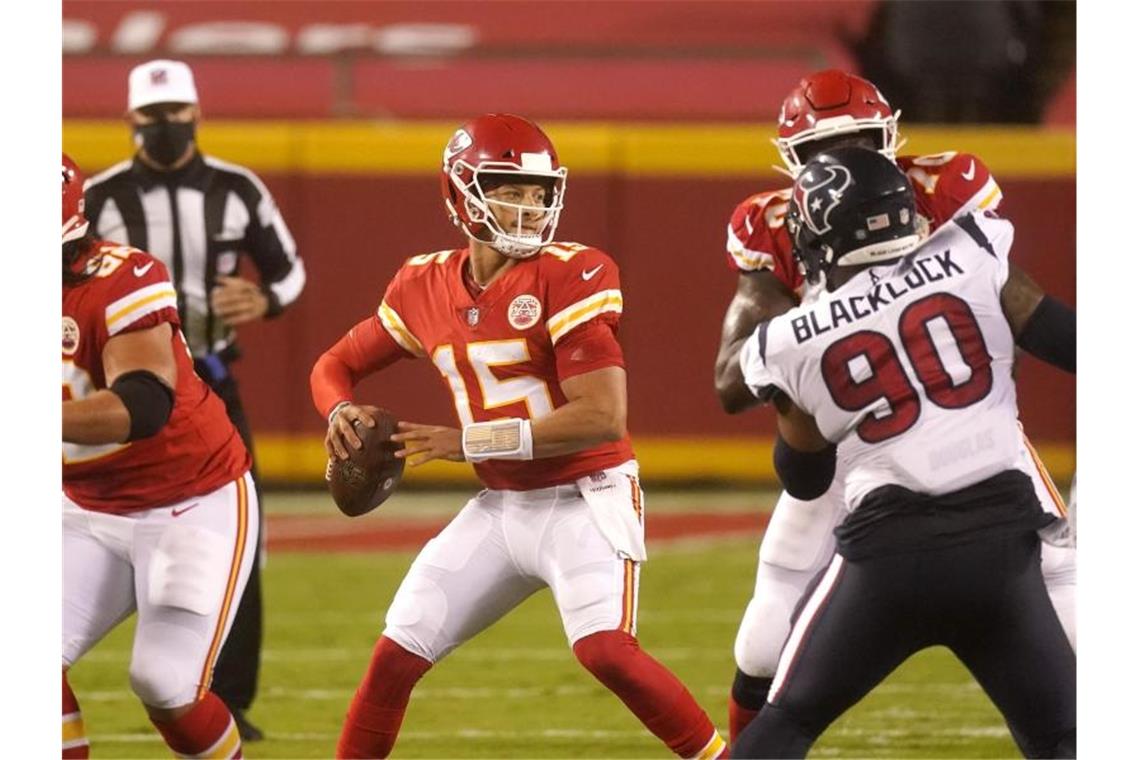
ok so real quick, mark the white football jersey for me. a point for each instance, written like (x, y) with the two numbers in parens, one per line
(908, 365)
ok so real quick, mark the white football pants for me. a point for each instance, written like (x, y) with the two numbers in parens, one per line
(502, 547)
(183, 567)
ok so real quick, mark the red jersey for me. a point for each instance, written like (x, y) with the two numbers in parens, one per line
(946, 186)
(498, 352)
(197, 451)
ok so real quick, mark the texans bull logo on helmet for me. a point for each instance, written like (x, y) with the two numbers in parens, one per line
(817, 193)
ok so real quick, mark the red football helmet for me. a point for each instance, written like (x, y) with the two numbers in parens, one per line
(486, 152)
(74, 222)
(829, 103)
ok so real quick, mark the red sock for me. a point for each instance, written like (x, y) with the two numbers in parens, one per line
(739, 717)
(377, 709)
(651, 693)
(208, 730)
(74, 734)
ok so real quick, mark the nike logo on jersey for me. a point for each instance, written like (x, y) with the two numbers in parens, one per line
(176, 511)
(589, 274)
(969, 173)
(140, 271)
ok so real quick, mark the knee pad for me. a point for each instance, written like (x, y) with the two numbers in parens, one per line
(799, 535)
(189, 569)
(159, 680)
(768, 619)
(606, 654)
(415, 618)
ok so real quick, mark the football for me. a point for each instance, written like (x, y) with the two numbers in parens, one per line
(371, 473)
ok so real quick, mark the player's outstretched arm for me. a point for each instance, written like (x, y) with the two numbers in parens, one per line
(759, 297)
(141, 374)
(1041, 325)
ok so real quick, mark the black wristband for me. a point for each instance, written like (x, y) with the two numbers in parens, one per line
(1051, 334)
(275, 308)
(805, 474)
(149, 401)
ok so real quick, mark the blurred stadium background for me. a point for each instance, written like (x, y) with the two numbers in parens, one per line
(663, 112)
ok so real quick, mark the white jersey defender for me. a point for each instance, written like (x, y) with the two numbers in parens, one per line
(921, 337)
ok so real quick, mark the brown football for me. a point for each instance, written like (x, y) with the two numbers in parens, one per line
(371, 473)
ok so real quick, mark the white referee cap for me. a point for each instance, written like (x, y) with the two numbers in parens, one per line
(161, 81)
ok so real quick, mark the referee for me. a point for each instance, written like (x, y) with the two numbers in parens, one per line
(198, 215)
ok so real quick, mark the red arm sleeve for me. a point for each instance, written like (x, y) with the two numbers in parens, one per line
(365, 349)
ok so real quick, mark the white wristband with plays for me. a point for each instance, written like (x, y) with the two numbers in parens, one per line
(501, 439)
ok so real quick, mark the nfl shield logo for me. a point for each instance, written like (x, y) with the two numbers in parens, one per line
(473, 316)
(158, 76)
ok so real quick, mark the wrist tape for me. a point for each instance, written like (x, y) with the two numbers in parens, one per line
(501, 439)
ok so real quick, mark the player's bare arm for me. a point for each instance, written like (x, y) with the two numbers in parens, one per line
(1041, 325)
(759, 297)
(797, 427)
(595, 412)
(139, 365)
(804, 459)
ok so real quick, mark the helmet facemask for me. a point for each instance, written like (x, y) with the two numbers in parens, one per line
(474, 182)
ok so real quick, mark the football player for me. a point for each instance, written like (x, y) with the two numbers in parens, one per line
(901, 370)
(825, 110)
(158, 504)
(523, 331)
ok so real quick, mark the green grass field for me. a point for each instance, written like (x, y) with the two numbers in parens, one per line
(516, 690)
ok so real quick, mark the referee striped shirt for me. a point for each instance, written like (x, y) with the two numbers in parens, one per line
(198, 220)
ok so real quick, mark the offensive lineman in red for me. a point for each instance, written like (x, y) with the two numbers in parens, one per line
(523, 332)
(157, 494)
(827, 110)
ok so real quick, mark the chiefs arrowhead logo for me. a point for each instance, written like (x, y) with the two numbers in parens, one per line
(817, 193)
(460, 141)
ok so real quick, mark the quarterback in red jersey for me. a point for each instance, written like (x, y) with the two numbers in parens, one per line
(826, 110)
(158, 500)
(523, 332)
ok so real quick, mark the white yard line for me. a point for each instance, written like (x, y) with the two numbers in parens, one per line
(878, 735)
(498, 654)
(462, 733)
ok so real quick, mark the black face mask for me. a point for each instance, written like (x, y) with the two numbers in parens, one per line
(165, 141)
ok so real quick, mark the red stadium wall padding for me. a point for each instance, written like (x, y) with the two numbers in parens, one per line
(667, 235)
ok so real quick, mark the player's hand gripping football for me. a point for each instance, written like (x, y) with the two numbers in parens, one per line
(423, 443)
(341, 436)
